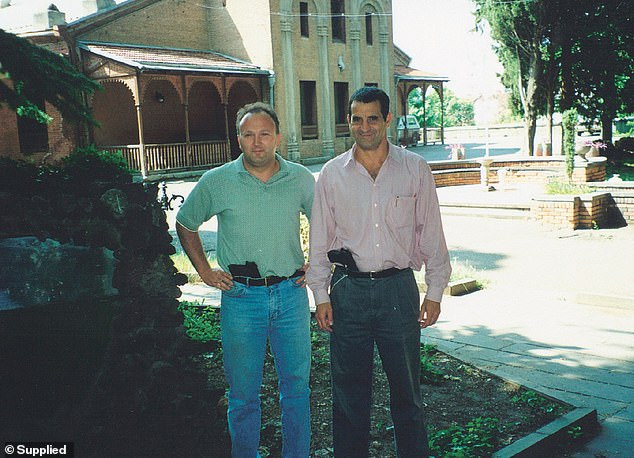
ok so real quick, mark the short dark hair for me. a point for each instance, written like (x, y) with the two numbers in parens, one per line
(368, 94)
(257, 107)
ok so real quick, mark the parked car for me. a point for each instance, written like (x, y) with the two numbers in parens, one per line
(413, 131)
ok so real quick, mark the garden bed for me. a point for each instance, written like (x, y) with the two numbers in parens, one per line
(469, 412)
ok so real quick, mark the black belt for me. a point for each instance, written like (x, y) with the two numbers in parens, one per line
(375, 273)
(266, 281)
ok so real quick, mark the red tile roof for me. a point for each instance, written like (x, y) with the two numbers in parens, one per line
(161, 58)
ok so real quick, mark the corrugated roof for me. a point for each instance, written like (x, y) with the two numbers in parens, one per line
(415, 74)
(162, 58)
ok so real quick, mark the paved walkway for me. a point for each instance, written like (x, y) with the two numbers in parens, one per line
(557, 314)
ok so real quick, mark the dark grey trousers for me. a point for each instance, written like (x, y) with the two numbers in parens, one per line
(383, 311)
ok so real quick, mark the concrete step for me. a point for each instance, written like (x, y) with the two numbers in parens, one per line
(502, 212)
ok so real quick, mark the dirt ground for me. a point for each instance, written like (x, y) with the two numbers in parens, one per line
(463, 394)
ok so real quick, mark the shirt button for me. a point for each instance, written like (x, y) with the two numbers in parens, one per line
(376, 225)
(377, 245)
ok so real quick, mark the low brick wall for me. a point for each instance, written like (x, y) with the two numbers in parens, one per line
(612, 204)
(586, 211)
(456, 177)
(526, 169)
(622, 193)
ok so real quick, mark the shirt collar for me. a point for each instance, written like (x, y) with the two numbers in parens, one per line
(394, 153)
(282, 172)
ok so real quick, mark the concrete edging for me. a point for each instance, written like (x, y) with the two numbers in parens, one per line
(461, 287)
(547, 438)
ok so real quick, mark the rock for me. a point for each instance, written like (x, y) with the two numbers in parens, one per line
(36, 273)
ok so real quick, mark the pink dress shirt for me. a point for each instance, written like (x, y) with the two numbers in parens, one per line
(393, 221)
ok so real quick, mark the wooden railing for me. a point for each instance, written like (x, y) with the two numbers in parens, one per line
(166, 156)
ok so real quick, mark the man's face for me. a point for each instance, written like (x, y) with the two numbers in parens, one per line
(367, 126)
(258, 140)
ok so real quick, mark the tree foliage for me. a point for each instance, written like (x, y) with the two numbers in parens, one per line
(519, 30)
(29, 73)
(457, 112)
(603, 62)
(568, 124)
(571, 53)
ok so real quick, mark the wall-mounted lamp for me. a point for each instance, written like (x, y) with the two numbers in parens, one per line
(159, 97)
(340, 64)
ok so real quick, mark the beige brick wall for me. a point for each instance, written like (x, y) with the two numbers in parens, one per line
(308, 67)
(242, 29)
(170, 23)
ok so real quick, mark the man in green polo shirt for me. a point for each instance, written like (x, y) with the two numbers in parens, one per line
(257, 199)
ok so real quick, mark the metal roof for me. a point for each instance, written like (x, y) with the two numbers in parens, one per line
(170, 59)
(409, 73)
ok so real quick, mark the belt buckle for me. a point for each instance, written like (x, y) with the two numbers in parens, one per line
(372, 273)
(266, 281)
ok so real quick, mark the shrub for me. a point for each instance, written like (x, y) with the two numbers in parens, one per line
(91, 163)
(569, 126)
(202, 323)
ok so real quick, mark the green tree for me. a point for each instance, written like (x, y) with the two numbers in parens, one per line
(572, 53)
(603, 62)
(457, 112)
(29, 72)
(519, 30)
(569, 127)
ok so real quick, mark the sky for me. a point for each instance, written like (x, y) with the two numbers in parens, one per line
(439, 36)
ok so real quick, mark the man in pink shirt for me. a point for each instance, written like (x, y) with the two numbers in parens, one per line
(376, 217)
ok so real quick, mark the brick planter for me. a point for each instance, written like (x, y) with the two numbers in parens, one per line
(584, 211)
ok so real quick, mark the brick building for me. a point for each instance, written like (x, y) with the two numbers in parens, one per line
(175, 73)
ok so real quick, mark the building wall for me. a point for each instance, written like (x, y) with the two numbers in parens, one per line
(267, 33)
(316, 58)
(174, 24)
(242, 29)
(9, 140)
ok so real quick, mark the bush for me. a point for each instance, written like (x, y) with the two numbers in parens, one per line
(625, 144)
(569, 126)
(92, 164)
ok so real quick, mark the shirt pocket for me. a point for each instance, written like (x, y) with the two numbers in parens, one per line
(401, 211)
(400, 219)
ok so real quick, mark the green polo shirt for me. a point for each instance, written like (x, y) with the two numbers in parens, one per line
(257, 221)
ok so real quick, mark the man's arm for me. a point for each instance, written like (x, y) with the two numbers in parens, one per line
(322, 229)
(193, 246)
(434, 249)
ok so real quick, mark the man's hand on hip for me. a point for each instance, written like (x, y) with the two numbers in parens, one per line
(429, 313)
(218, 279)
(301, 281)
(324, 316)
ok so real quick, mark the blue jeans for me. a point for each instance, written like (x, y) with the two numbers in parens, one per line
(384, 311)
(248, 317)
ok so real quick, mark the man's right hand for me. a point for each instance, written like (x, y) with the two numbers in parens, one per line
(324, 316)
(218, 279)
